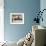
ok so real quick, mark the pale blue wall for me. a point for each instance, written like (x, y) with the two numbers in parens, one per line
(43, 6)
(28, 7)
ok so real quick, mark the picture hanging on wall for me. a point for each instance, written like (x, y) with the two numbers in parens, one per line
(16, 18)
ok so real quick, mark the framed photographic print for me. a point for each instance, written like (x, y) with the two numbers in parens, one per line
(16, 18)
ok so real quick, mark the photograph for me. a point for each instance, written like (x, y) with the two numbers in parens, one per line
(16, 18)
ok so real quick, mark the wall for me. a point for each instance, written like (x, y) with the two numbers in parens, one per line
(43, 6)
(28, 7)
